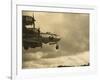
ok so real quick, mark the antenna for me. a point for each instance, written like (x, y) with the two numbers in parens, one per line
(33, 21)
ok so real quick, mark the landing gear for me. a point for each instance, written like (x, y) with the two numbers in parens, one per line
(57, 46)
(26, 47)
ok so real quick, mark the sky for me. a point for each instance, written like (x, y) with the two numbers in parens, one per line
(73, 28)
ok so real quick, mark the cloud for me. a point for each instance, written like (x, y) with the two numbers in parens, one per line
(71, 60)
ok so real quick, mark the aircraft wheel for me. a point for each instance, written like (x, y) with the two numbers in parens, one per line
(57, 46)
(26, 47)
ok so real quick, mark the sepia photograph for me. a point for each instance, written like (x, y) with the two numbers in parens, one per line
(55, 39)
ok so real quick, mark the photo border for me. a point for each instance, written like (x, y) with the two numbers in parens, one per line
(15, 71)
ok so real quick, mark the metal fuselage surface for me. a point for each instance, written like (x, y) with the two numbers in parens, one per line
(33, 37)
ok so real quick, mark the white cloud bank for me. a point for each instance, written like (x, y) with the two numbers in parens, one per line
(37, 61)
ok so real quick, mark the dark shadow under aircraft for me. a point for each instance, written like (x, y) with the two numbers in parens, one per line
(33, 37)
